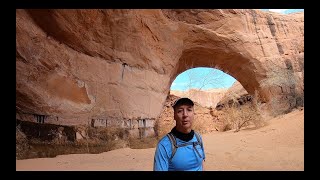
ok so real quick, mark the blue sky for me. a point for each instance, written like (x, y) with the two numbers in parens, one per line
(208, 78)
(204, 78)
(284, 11)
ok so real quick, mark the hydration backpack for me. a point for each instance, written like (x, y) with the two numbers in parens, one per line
(174, 145)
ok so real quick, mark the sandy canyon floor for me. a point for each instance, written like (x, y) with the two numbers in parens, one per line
(278, 146)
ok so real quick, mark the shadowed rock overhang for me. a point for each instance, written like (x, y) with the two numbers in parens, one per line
(119, 64)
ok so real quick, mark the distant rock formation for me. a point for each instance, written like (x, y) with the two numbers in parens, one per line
(237, 92)
(206, 98)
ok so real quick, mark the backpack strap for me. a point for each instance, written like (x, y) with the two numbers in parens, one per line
(199, 141)
(173, 144)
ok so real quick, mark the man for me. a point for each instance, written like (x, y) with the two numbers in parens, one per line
(182, 148)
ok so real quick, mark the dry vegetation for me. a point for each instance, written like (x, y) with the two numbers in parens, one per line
(288, 93)
(238, 117)
(286, 96)
(96, 140)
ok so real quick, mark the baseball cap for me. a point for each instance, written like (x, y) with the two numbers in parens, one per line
(183, 101)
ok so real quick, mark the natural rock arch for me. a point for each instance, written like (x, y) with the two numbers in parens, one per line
(118, 65)
(232, 63)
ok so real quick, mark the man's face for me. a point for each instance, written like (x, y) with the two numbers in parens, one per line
(183, 114)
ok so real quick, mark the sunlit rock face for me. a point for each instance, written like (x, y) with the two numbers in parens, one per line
(73, 66)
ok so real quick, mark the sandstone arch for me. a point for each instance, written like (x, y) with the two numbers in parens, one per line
(244, 70)
(120, 64)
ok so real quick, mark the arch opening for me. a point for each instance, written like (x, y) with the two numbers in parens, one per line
(248, 72)
(202, 78)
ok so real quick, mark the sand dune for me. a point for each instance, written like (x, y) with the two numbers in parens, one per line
(277, 146)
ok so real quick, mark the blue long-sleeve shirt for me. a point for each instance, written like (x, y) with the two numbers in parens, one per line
(185, 158)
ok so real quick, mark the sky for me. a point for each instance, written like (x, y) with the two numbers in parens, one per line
(284, 11)
(204, 78)
(209, 78)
